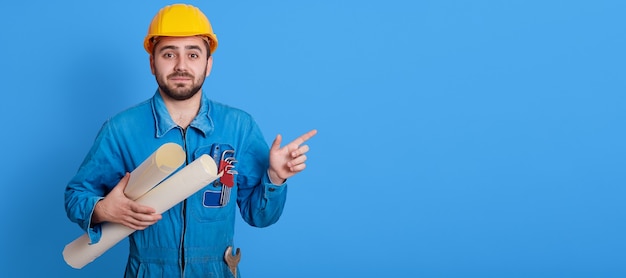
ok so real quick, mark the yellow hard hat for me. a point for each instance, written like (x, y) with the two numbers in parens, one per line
(179, 20)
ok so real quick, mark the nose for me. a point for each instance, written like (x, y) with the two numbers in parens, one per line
(180, 65)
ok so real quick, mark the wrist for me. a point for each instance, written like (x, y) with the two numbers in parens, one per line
(274, 178)
(96, 217)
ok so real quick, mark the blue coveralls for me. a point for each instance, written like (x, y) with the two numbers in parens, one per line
(191, 238)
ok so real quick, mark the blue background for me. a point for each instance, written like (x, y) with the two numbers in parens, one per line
(456, 138)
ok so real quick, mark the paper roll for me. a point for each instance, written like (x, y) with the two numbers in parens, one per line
(171, 191)
(163, 162)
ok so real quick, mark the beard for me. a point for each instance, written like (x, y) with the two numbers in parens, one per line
(179, 91)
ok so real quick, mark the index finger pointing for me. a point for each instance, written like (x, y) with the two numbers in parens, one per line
(304, 137)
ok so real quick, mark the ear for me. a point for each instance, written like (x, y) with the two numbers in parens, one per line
(209, 65)
(152, 64)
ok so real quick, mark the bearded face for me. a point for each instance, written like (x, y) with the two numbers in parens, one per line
(180, 85)
(180, 65)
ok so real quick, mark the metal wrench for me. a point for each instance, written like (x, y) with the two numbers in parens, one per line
(232, 261)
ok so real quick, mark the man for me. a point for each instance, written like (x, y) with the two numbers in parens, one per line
(190, 239)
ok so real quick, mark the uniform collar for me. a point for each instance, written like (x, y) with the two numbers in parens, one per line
(164, 122)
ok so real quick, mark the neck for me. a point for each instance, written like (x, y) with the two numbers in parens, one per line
(183, 112)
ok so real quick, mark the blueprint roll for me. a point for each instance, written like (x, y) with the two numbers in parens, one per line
(162, 163)
(170, 192)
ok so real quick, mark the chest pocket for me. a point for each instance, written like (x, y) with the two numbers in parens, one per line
(215, 201)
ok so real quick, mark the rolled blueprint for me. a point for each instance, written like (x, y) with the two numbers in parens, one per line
(163, 162)
(171, 191)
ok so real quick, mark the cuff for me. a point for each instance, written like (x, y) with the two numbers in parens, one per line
(268, 180)
(94, 231)
(271, 188)
(94, 234)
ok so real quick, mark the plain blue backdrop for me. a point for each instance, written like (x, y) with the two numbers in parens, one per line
(456, 138)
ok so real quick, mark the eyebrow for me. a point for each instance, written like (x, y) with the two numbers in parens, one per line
(187, 47)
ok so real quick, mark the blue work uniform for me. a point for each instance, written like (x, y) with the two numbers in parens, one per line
(191, 238)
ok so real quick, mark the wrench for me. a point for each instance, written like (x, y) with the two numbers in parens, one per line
(232, 261)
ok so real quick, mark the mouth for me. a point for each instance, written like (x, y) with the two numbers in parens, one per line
(180, 78)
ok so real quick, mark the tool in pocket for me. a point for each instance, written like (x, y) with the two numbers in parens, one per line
(232, 261)
(227, 166)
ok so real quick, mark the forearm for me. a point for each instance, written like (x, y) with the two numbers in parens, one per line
(79, 207)
(263, 204)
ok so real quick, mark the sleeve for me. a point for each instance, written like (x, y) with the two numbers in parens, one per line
(260, 202)
(99, 172)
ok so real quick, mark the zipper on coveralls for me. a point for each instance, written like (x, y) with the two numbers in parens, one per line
(184, 211)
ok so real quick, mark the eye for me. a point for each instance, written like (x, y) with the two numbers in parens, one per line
(194, 56)
(169, 55)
